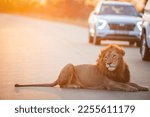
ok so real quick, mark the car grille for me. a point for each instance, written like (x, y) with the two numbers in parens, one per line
(124, 27)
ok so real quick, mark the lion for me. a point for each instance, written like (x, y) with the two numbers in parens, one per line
(110, 73)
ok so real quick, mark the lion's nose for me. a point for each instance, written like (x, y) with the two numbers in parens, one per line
(109, 63)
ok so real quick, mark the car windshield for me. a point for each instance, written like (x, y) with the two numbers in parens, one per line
(113, 9)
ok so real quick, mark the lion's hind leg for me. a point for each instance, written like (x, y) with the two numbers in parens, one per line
(140, 88)
(68, 78)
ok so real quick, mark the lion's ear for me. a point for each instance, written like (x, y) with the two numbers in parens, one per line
(122, 51)
(102, 51)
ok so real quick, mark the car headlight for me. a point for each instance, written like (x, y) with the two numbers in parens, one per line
(101, 24)
(139, 25)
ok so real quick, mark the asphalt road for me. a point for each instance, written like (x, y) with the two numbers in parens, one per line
(34, 51)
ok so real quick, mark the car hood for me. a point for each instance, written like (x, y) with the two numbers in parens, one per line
(119, 19)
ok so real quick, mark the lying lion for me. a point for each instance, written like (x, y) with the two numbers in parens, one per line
(111, 73)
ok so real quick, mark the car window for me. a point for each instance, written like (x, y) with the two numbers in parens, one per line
(112, 9)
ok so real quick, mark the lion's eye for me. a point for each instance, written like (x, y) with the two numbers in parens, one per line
(114, 56)
(105, 58)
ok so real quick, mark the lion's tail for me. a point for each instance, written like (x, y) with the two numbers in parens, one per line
(38, 85)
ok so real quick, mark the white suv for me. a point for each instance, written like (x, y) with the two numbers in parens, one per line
(145, 40)
(113, 20)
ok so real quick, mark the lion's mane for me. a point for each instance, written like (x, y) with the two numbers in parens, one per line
(122, 73)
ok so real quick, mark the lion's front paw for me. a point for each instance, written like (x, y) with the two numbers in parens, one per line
(132, 89)
(143, 89)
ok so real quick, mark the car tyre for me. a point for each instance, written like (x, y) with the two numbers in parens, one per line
(97, 41)
(145, 54)
(91, 39)
(131, 42)
(138, 43)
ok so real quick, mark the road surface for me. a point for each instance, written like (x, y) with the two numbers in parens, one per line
(34, 51)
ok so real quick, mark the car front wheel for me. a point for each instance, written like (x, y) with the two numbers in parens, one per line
(138, 44)
(90, 39)
(131, 42)
(145, 54)
(97, 41)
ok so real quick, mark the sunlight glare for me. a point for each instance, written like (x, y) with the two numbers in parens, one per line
(42, 2)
